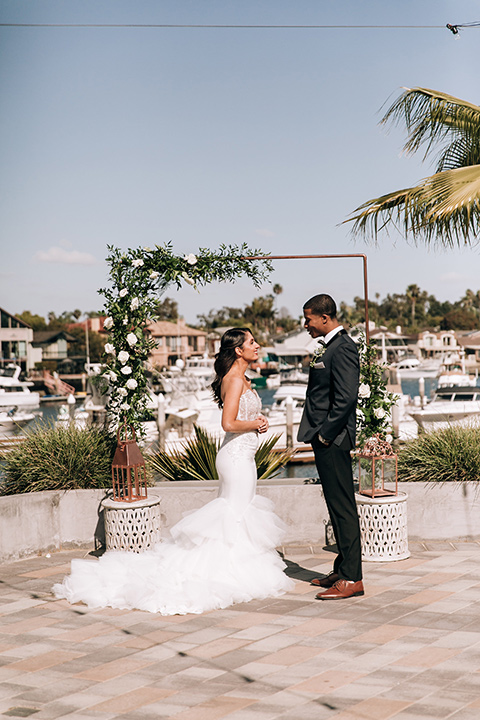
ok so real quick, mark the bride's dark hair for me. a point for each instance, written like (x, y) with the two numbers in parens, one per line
(224, 359)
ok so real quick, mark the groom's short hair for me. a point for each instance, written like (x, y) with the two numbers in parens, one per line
(321, 305)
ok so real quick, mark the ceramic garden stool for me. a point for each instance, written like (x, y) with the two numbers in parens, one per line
(383, 527)
(133, 526)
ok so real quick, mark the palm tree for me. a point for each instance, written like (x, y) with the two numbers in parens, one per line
(444, 207)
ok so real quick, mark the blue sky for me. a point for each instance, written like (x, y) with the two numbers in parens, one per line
(130, 136)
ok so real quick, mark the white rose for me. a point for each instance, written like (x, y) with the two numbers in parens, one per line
(191, 259)
(379, 413)
(137, 263)
(134, 303)
(132, 339)
(131, 383)
(123, 292)
(154, 274)
(122, 392)
(364, 390)
(126, 370)
(188, 279)
(113, 376)
(360, 413)
(123, 356)
(108, 323)
(125, 321)
(109, 349)
(389, 438)
(124, 406)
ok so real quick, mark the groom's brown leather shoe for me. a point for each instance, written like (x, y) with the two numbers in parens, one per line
(327, 581)
(342, 589)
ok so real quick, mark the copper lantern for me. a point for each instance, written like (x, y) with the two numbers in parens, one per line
(128, 469)
(376, 470)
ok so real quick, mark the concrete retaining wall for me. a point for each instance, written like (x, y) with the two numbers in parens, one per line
(34, 523)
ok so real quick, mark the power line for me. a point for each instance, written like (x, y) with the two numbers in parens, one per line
(240, 27)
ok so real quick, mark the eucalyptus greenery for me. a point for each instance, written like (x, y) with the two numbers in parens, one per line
(137, 276)
(374, 407)
(196, 459)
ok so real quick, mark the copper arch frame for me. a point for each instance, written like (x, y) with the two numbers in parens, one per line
(317, 257)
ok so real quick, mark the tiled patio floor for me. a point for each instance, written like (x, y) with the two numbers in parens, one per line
(409, 649)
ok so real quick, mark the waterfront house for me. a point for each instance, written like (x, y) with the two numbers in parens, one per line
(50, 346)
(15, 341)
(175, 341)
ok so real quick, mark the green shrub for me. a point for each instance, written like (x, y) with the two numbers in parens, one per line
(58, 458)
(196, 459)
(449, 455)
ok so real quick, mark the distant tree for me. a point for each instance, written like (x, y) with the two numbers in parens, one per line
(167, 310)
(459, 319)
(96, 344)
(36, 322)
(225, 317)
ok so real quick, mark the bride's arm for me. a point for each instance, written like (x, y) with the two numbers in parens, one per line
(232, 388)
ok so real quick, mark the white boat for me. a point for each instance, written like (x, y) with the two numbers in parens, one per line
(413, 368)
(450, 406)
(16, 392)
(13, 418)
(453, 373)
(200, 367)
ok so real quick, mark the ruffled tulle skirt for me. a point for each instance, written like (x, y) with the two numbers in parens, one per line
(214, 558)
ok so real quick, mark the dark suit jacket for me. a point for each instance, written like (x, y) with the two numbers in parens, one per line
(331, 402)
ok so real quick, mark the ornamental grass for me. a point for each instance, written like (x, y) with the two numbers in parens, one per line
(448, 455)
(196, 459)
(58, 458)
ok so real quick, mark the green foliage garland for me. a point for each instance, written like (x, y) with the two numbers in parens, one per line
(137, 276)
(374, 407)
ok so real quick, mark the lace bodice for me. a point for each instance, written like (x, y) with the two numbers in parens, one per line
(249, 405)
(244, 443)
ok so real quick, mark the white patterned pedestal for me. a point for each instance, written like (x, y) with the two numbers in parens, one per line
(133, 526)
(383, 526)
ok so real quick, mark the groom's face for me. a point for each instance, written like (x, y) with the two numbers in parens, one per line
(316, 325)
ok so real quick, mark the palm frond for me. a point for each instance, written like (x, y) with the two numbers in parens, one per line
(444, 207)
(432, 116)
(196, 459)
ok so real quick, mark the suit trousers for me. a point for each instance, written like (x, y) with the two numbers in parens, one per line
(334, 466)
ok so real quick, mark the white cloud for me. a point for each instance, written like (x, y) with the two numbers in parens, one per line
(64, 257)
(264, 232)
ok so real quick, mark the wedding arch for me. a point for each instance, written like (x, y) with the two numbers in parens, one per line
(137, 276)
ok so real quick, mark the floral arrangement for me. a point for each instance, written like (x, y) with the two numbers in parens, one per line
(137, 277)
(374, 407)
(318, 352)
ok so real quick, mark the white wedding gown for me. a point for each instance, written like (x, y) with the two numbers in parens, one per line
(221, 554)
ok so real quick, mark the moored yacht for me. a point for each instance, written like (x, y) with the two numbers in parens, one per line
(450, 406)
(16, 392)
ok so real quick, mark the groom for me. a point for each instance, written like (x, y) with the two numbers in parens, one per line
(328, 423)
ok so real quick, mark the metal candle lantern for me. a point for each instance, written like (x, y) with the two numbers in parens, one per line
(377, 464)
(374, 471)
(128, 470)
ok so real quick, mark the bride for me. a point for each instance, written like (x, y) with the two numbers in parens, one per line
(221, 554)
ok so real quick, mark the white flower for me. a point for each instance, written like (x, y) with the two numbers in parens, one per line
(124, 406)
(379, 413)
(137, 263)
(364, 390)
(123, 357)
(108, 323)
(131, 339)
(131, 383)
(360, 413)
(123, 292)
(109, 349)
(125, 321)
(191, 259)
(389, 438)
(154, 274)
(126, 370)
(134, 303)
(122, 392)
(113, 376)
(188, 279)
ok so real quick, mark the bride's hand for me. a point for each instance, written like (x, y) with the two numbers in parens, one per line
(262, 426)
